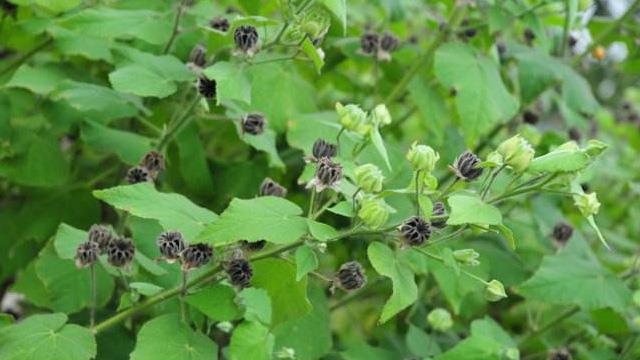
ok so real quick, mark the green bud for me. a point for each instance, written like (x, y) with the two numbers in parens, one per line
(517, 153)
(440, 319)
(373, 212)
(422, 157)
(380, 116)
(467, 257)
(353, 118)
(512, 354)
(494, 291)
(588, 204)
(369, 178)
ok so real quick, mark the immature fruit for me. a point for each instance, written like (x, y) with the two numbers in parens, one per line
(198, 56)
(439, 210)
(369, 43)
(389, 42)
(440, 319)
(328, 174)
(562, 232)
(120, 251)
(253, 245)
(415, 231)
(351, 276)
(239, 272)
(516, 152)
(253, 123)
(529, 36)
(138, 174)
(323, 149)
(494, 291)
(380, 116)
(101, 236)
(153, 161)
(170, 244)
(246, 38)
(219, 23)
(272, 188)
(468, 257)
(465, 166)
(86, 254)
(207, 87)
(369, 178)
(353, 118)
(196, 255)
(559, 354)
(373, 212)
(422, 157)
(530, 117)
(588, 204)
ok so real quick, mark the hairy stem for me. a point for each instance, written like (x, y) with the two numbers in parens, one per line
(179, 124)
(176, 26)
(92, 310)
(184, 274)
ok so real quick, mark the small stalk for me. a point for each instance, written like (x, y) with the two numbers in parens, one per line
(183, 294)
(312, 201)
(418, 191)
(94, 297)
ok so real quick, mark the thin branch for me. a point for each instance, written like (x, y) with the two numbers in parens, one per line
(176, 26)
(26, 56)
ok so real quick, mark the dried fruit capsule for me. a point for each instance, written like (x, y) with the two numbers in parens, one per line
(465, 166)
(253, 123)
(350, 276)
(219, 23)
(560, 354)
(529, 36)
(322, 149)
(86, 254)
(470, 32)
(196, 255)
(328, 174)
(207, 87)
(439, 210)
(272, 188)
(574, 134)
(369, 43)
(120, 251)
(246, 38)
(253, 245)
(562, 232)
(239, 272)
(530, 117)
(138, 174)
(101, 236)
(389, 42)
(198, 56)
(170, 244)
(153, 161)
(415, 231)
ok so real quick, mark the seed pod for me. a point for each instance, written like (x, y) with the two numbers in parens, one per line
(322, 149)
(574, 134)
(207, 87)
(351, 276)
(562, 232)
(422, 157)
(253, 245)
(369, 43)
(198, 56)
(572, 41)
(368, 178)
(470, 32)
(328, 174)
(239, 272)
(530, 117)
(529, 36)
(138, 174)
(120, 251)
(440, 319)
(272, 188)
(465, 166)
(219, 23)
(253, 123)
(86, 254)
(439, 210)
(153, 161)
(389, 42)
(101, 236)
(559, 354)
(170, 244)
(415, 231)
(246, 38)
(373, 212)
(196, 255)
(494, 291)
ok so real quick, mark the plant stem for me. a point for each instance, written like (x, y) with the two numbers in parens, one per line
(312, 201)
(492, 179)
(92, 310)
(522, 190)
(565, 30)
(183, 292)
(553, 322)
(176, 25)
(436, 257)
(353, 296)
(418, 193)
(26, 56)
(179, 124)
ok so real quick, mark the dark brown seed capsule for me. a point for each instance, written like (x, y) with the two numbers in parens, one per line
(171, 244)
(323, 149)
(253, 245)
(350, 276)
(153, 161)
(196, 255)
(574, 134)
(86, 254)
(572, 41)
(415, 231)
(253, 124)
(219, 23)
(120, 251)
(465, 166)
(198, 56)
(246, 38)
(207, 87)
(138, 174)
(530, 117)
(389, 42)
(439, 210)
(470, 32)
(101, 236)
(369, 43)
(562, 232)
(272, 188)
(502, 49)
(559, 354)
(529, 35)
(328, 173)
(239, 272)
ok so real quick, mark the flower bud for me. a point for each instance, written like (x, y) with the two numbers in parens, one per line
(120, 251)
(369, 178)
(86, 254)
(353, 118)
(195, 256)
(588, 204)
(494, 291)
(351, 276)
(415, 231)
(253, 123)
(170, 244)
(380, 115)
(562, 233)
(207, 87)
(467, 257)
(272, 188)
(517, 153)
(373, 212)
(465, 166)
(422, 157)
(246, 39)
(440, 319)
(438, 210)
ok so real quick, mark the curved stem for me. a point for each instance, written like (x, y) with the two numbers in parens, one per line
(92, 310)
(175, 130)
(492, 179)
(555, 321)
(183, 292)
(176, 25)
(26, 56)
(418, 191)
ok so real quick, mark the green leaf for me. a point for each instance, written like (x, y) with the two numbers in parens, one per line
(312, 53)
(232, 82)
(537, 72)
(173, 211)
(67, 239)
(193, 164)
(46, 337)
(288, 296)
(264, 142)
(58, 6)
(40, 80)
(274, 219)
(129, 146)
(339, 9)
(257, 305)
(306, 261)
(43, 165)
(488, 341)
(320, 231)
(90, 47)
(560, 161)
(251, 340)
(470, 209)
(146, 289)
(139, 80)
(378, 143)
(216, 301)
(405, 291)
(167, 336)
(420, 343)
(482, 100)
(507, 234)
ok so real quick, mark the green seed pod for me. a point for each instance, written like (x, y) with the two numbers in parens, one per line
(369, 178)
(494, 291)
(353, 118)
(422, 157)
(467, 257)
(517, 153)
(380, 115)
(440, 319)
(373, 212)
(588, 204)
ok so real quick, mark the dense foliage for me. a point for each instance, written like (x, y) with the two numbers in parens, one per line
(319, 179)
